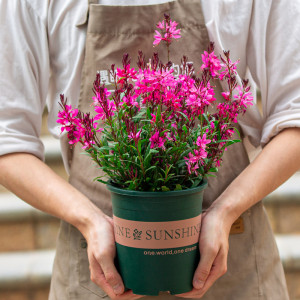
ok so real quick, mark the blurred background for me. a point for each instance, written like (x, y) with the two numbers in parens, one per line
(28, 236)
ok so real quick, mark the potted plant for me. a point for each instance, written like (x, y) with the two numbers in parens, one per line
(157, 137)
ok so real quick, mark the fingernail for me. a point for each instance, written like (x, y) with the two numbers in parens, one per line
(198, 284)
(117, 289)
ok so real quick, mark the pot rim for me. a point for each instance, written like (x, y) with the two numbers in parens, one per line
(120, 191)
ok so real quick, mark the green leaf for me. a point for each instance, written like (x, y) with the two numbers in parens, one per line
(206, 118)
(131, 146)
(196, 182)
(210, 175)
(232, 142)
(151, 168)
(140, 146)
(149, 155)
(165, 189)
(158, 114)
(131, 186)
(228, 142)
(149, 113)
(140, 115)
(106, 148)
(178, 187)
(138, 99)
(122, 94)
(100, 180)
(237, 132)
(184, 128)
(184, 115)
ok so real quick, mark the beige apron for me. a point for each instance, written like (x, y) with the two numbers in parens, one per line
(254, 268)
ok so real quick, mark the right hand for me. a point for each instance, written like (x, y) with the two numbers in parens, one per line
(101, 254)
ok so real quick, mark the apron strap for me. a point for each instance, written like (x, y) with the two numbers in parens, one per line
(85, 17)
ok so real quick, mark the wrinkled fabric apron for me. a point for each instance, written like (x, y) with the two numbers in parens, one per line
(254, 268)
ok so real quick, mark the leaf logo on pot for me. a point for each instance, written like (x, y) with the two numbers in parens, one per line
(137, 234)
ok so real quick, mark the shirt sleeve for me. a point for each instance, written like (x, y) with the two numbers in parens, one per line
(274, 61)
(24, 69)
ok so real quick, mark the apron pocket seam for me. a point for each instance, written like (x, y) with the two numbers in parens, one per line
(259, 291)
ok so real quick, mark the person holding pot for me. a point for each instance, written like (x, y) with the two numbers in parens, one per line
(58, 46)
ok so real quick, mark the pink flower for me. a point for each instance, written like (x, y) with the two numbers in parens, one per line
(71, 122)
(153, 120)
(226, 95)
(194, 159)
(218, 163)
(129, 101)
(192, 168)
(200, 154)
(230, 69)
(67, 116)
(135, 136)
(202, 141)
(157, 141)
(155, 86)
(244, 98)
(192, 164)
(161, 25)
(200, 97)
(126, 74)
(169, 32)
(105, 111)
(88, 144)
(106, 94)
(211, 62)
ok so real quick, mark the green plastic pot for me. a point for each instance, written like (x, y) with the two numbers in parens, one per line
(157, 237)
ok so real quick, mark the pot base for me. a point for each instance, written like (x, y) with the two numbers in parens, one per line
(151, 271)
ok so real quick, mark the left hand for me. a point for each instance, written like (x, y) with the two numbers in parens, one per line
(214, 248)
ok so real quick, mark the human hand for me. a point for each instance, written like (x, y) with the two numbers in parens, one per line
(101, 253)
(213, 244)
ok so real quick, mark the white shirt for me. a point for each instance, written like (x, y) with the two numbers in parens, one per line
(41, 56)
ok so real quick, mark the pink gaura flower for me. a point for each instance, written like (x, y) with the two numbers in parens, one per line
(106, 94)
(200, 154)
(202, 141)
(161, 25)
(105, 111)
(194, 159)
(192, 168)
(218, 163)
(135, 136)
(88, 144)
(226, 95)
(200, 97)
(126, 74)
(153, 120)
(130, 101)
(244, 98)
(67, 117)
(229, 69)
(211, 62)
(157, 141)
(169, 32)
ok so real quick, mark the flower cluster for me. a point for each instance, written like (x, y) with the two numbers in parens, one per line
(170, 32)
(157, 131)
